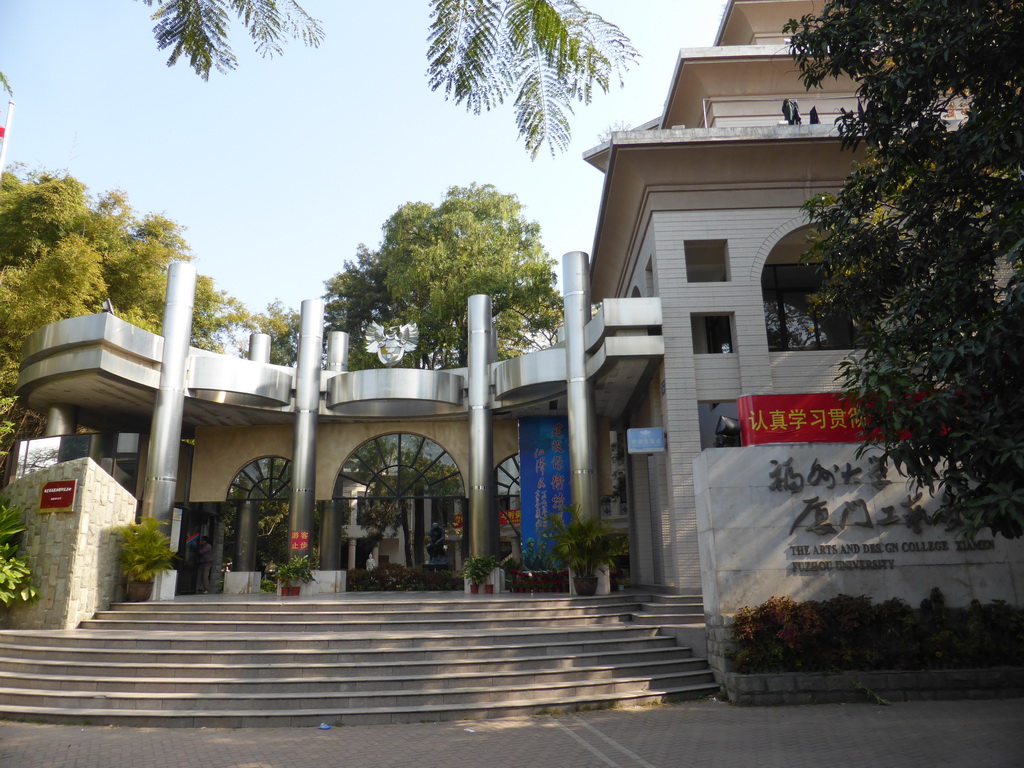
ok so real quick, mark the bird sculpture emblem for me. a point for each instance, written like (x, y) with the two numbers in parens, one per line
(392, 342)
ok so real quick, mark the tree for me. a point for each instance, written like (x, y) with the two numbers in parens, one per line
(922, 246)
(62, 254)
(199, 29)
(431, 260)
(546, 54)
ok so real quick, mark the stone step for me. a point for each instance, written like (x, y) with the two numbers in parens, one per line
(374, 696)
(364, 603)
(494, 676)
(190, 643)
(341, 616)
(672, 599)
(311, 668)
(670, 609)
(313, 624)
(232, 662)
(667, 619)
(345, 650)
(378, 715)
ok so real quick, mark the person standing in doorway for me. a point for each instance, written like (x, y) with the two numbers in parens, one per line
(205, 565)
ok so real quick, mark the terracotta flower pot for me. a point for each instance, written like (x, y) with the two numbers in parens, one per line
(489, 589)
(474, 589)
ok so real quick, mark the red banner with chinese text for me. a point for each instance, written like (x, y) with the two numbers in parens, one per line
(821, 417)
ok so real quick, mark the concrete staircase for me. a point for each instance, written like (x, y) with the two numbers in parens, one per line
(345, 659)
(670, 610)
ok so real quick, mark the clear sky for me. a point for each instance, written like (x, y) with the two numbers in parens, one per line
(279, 169)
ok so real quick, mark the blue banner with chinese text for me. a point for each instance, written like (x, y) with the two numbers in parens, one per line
(543, 472)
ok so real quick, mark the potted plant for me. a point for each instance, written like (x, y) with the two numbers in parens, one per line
(478, 570)
(584, 544)
(145, 552)
(293, 574)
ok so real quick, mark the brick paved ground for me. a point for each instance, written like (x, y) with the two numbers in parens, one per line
(988, 734)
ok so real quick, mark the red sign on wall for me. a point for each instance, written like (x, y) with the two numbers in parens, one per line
(505, 517)
(821, 417)
(300, 540)
(58, 496)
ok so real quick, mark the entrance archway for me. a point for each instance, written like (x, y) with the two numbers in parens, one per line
(259, 495)
(398, 484)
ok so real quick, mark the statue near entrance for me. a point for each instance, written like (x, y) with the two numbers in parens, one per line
(436, 548)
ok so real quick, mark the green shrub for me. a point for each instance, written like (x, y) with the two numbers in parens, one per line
(15, 574)
(398, 578)
(850, 633)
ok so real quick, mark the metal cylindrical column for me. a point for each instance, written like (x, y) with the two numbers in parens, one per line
(483, 518)
(247, 529)
(580, 392)
(61, 419)
(332, 516)
(259, 347)
(307, 411)
(337, 351)
(165, 434)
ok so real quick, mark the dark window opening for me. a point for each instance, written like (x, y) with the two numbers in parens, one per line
(789, 319)
(712, 334)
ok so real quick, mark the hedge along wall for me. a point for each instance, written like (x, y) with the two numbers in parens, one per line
(811, 521)
(73, 554)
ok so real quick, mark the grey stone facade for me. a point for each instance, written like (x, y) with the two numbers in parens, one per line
(73, 555)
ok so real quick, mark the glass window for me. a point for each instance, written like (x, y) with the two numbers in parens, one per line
(399, 465)
(791, 323)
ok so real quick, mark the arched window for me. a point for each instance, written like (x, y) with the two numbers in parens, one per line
(399, 465)
(263, 479)
(506, 483)
(786, 288)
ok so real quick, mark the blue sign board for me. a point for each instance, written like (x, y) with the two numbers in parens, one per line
(543, 471)
(646, 440)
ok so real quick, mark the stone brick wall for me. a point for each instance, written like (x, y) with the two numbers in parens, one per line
(73, 555)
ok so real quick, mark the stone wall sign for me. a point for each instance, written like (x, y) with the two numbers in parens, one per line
(813, 520)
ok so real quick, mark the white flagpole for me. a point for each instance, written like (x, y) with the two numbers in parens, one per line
(7, 135)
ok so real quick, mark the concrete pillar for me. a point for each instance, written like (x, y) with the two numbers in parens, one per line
(483, 517)
(351, 552)
(259, 347)
(580, 392)
(307, 412)
(165, 433)
(61, 419)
